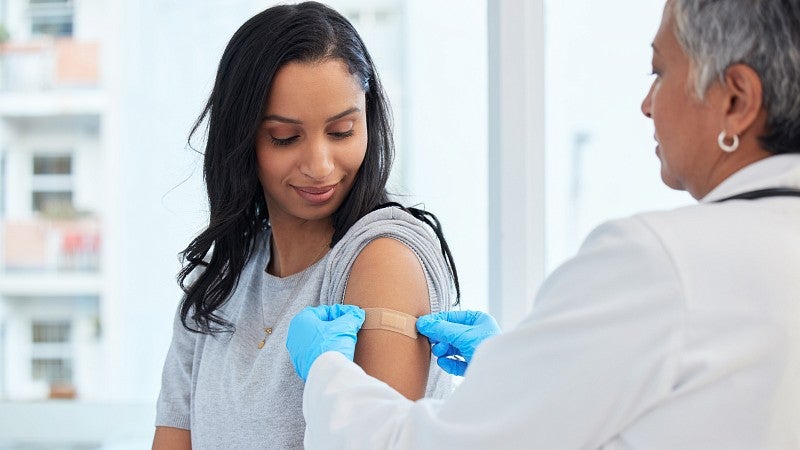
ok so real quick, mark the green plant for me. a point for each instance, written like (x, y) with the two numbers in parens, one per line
(3, 33)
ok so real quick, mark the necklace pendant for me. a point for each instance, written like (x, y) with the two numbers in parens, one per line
(267, 332)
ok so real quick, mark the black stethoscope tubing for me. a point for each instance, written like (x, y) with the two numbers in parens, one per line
(762, 193)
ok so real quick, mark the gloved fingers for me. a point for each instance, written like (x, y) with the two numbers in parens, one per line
(487, 322)
(315, 330)
(326, 313)
(338, 310)
(321, 312)
(305, 319)
(440, 349)
(349, 321)
(452, 366)
(481, 326)
(443, 349)
(303, 330)
(464, 317)
(437, 329)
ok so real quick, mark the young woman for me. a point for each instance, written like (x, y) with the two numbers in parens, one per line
(298, 154)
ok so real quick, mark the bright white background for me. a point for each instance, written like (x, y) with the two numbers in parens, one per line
(600, 152)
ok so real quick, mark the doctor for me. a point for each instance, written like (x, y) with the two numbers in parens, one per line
(668, 330)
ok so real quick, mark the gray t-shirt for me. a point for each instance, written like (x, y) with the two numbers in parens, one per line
(233, 395)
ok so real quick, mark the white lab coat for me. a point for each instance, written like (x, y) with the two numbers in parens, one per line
(668, 330)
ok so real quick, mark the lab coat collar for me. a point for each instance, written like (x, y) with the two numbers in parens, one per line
(775, 171)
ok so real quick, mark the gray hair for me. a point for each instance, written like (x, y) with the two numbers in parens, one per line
(764, 35)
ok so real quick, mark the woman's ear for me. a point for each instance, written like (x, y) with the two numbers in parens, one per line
(745, 100)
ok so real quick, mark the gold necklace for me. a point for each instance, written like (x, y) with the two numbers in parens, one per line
(300, 283)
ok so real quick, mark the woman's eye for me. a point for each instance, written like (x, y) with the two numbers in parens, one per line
(342, 134)
(283, 141)
(655, 72)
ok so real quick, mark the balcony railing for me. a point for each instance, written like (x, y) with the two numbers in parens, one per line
(51, 245)
(48, 64)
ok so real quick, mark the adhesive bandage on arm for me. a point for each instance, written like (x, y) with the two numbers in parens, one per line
(390, 320)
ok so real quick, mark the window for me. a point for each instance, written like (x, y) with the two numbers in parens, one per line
(51, 357)
(52, 165)
(52, 185)
(52, 370)
(51, 17)
(52, 202)
(51, 332)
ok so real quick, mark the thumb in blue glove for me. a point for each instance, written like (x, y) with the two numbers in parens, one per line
(456, 335)
(316, 330)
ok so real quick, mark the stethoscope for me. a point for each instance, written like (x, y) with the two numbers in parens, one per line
(762, 193)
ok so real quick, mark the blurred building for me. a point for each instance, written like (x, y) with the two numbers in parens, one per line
(51, 113)
(67, 377)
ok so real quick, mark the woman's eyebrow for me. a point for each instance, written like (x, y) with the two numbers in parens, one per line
(342, 114)
(278, 118)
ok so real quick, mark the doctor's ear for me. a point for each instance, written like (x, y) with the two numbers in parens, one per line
(744, 98)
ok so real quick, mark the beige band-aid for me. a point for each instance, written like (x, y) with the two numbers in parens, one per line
(390, 320)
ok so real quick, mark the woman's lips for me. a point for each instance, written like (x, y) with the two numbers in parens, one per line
(316, 194)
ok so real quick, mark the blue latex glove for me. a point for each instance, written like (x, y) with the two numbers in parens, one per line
(316, 330)
(455, 336)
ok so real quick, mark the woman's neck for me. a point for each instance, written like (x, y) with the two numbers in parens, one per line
(727, 166)
(297, 246)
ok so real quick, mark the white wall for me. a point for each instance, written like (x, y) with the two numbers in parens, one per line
(445, 129)
(88, 19)
(18, 27)
(18, 169)
(598, 66)
(161, 60)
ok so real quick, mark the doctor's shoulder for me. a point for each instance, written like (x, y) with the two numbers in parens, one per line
(618, 256)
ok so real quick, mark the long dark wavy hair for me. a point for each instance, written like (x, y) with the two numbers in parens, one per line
(306, 32)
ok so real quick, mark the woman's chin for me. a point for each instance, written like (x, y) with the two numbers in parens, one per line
(669, 180)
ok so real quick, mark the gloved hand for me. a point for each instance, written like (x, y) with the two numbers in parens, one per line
(455, 335)
(316, 330)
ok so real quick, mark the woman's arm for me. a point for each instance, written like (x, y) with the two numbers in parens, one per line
(168, 438)
(387, 274)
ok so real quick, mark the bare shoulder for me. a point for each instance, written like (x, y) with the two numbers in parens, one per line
(388, 274)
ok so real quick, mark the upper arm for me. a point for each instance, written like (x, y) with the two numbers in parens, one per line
(168, 438)
(388, 274)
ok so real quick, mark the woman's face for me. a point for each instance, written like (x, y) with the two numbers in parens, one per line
(312, 140)
(686, 128)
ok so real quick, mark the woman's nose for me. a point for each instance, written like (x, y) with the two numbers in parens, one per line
(647, 104)
(317, 162)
